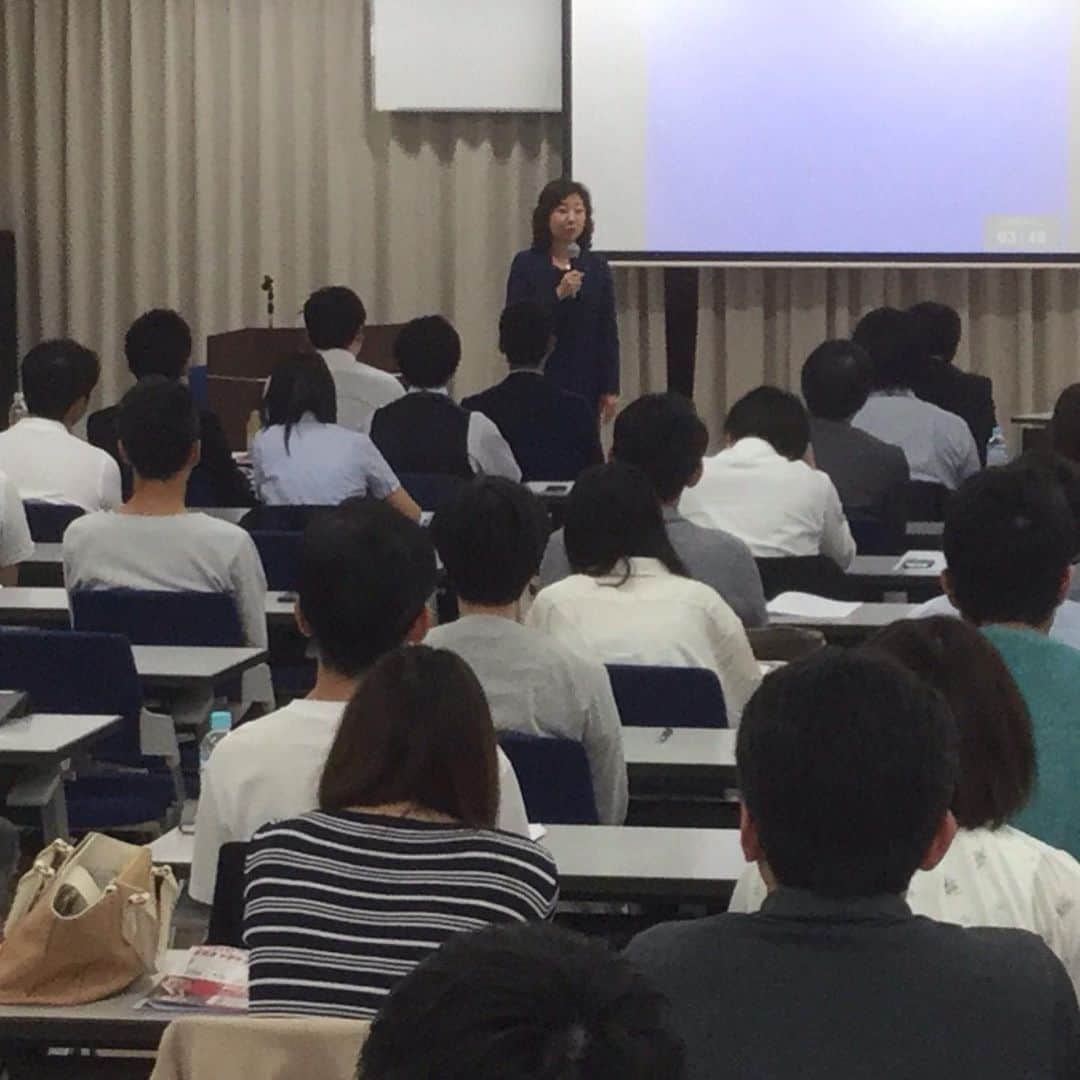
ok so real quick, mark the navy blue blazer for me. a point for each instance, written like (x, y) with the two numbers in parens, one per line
(586, 356)
(553, 433)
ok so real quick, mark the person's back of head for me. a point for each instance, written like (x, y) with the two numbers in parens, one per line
(158, 343)
(417, 732)
(663, 436)
(887, 335)
(997, 749)
(1065, 424)
(57, 378)
(525, 334)
(491, 537)
(300, 384)
(771, 414)
(157, 424)
(836, 380)
(1009, 539)
(366, 572)
(1060, 471)
(428, 351)
(937, 329)
(531, 1002)
(334, 317)
(846, 764)
(613, 515)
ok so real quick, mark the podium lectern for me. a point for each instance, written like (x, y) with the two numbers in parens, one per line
(239, 362)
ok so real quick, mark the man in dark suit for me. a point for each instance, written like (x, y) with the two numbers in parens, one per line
(870, 475)
(971, 397)
(552, 432)
(159, 343)
(847, 766)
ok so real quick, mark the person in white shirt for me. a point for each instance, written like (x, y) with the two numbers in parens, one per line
(335, 317)
(763, 487)
(304, 457)
(426, 431)
(16, 543)
(993, 874)
(938, 445)
(40, 455)
(491, 537)
(630, 600)
(365, 578)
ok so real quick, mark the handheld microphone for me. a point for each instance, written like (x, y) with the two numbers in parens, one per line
(573, 253)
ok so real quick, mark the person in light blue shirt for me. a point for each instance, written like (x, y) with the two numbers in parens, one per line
(303, 457)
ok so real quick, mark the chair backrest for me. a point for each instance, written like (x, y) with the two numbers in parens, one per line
(926, 501)
(431, 490)
(554, 777)
(65, 671)
(280, 554)
(227, 913)
(667, 696)
(815, 574)
(199, 385)
(48, 521)
(876, 538)
(153, 617)
(280, 518)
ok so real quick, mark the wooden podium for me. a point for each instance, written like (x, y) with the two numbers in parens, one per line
(239, 362)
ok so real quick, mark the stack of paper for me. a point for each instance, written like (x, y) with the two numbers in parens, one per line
(808, 606)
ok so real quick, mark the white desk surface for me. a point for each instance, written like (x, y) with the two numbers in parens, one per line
(885, 566)
(232, 514)
(696, 748)
(185, 665)
(50, 736)
(865, 617)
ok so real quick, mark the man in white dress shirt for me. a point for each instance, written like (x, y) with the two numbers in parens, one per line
(335, 317)
(15, 541)
(365, 578)
(39, 453)
(762, 489)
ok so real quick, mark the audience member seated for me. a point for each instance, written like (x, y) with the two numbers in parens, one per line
(1009, 541)
(552, 433)
(1064, 431)
(567, 1009)
(630, 599)
(869, 475)
(663, 436)
(938, 330)
(335, 318)
(303, 457)
(366, 573)
(937, 444)
(159, 343)
(39, 454)
(847, 767)
(16, 543)
(426, 431)
(401, 854)
(993, 874)
(490, 538)
(761, 489)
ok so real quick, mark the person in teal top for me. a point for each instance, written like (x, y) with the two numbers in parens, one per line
(1010, 538)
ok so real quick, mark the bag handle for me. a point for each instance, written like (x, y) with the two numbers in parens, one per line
(49, 862)
(147, 908)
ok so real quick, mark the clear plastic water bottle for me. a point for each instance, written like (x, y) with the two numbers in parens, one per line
(220, 723)
(997, 449)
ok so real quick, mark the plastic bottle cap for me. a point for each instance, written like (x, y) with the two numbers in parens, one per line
(220, 720)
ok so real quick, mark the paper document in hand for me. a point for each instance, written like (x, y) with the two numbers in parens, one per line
(932, 562)
(808, 606)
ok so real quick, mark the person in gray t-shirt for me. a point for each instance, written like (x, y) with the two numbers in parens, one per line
(663, 435)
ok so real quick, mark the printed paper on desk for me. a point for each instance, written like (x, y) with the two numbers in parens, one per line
(932, 562)
(808, 606)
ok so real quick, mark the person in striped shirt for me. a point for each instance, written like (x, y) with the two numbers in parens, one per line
(401, 854)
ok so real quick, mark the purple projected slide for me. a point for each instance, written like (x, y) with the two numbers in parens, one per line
(862, 126)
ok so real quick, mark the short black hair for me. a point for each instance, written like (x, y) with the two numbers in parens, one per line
(533, 1002)
(158, 343)
(1009, 540)
(56, 374)
(366, 572)
(613, 515)
(937, 329)
(663, 436)
(300, 384)
(888, 336)
(771, 414)
(333, 315)
(524, 334)
(836, 380)
(427, 351)
(157, 424)
(554, 193)
(1059, 470)
(847, 763)
(491, 536)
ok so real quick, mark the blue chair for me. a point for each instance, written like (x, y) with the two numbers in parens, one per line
(431, 490)
(153, 617)
(48, 520)
(554, 778)
(280, 554)
(199, 385)
(667, 696)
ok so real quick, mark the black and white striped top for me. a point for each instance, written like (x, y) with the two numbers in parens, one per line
(339, 906)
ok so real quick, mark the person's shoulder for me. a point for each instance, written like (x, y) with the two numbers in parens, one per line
(518, 847)
(87, 526)
(1019, 959)
(223, 534)
(665, 943)
(689, 534)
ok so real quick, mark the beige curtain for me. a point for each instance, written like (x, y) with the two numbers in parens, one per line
(174, 151)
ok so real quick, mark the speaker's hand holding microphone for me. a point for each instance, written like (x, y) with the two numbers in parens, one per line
(570, 283)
